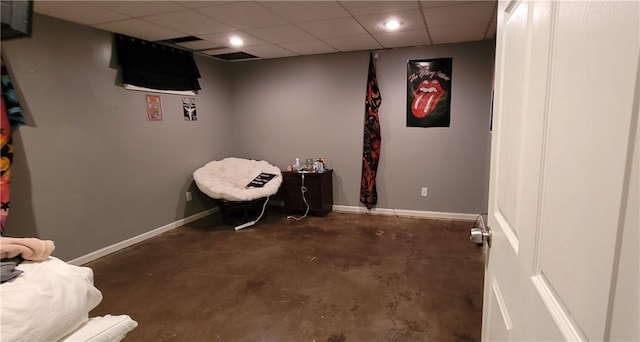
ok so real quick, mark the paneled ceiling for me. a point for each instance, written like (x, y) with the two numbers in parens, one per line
(273, 29)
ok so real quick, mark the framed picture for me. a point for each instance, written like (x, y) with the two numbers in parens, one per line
(154, 108)
(189, 108)
(429, 92)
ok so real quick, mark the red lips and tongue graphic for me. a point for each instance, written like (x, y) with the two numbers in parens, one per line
(426, 98)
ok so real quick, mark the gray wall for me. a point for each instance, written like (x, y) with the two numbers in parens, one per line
(313, 106)
(90, 170)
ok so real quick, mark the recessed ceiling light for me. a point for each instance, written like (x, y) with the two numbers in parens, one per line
(392, 24)
(236, 41)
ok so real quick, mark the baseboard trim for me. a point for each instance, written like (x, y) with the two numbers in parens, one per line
(139, 238)
(405, 213)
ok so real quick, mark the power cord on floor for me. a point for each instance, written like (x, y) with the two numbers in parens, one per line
(264, 206)
(251, 223)
(303, 189)
(475, 221)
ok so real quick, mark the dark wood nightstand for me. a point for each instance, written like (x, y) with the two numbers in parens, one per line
(319, 192)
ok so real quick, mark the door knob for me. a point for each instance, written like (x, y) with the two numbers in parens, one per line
(480, 235)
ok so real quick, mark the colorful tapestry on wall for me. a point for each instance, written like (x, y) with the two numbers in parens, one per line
(5, 165)
(14, 111)
(429, 92)
(372, 139)
(12, 118)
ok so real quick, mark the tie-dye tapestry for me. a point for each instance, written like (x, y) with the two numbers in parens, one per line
(372, 139)
(12, 118)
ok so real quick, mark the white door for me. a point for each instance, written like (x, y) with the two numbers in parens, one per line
(563, 203)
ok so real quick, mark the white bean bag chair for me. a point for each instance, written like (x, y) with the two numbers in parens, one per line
(227, 179)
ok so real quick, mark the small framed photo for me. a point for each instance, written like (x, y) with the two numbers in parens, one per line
(154, 108)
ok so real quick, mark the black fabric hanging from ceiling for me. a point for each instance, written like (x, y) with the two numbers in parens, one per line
(150, 65)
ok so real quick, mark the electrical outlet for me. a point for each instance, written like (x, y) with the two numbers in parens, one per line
(188, 196)
(423, 193)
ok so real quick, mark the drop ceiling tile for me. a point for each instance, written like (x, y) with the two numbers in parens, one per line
(139, 8)
(301, 11)
(493, 23)
(188, 21)
(430, 3)
(219, 51)
(242, 15)
(77, 11)
(309, 48)
(268, 51)
(466, 14)
(199, 45)
(201, 3)
(455, 34)
(373, 7)
(222, 39)
(285, 28)
(281, 34)
(411, 21)
(402, 39)
(363, 42)
(333, 28)
(140, 29)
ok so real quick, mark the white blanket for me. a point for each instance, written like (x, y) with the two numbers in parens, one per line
(228, 178)
(46, 302)
(28, 248)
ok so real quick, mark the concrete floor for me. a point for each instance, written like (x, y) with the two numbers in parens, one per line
(343, 277)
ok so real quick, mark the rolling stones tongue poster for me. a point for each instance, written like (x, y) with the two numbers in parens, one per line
(429, 92)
